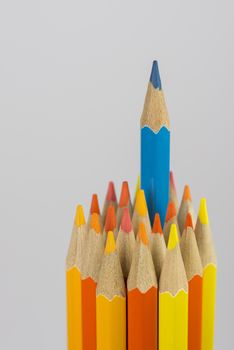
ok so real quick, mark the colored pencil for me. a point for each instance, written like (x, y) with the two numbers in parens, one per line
(111, 301)
(110, 222)
(125, 243)
(124, 202)
(158, 246)
(173, 193)
(208, 258)
(73, 283)
(193, 268)
(94, 207)
(142, 297)
(173, 298)
(109, 200)
(90, 271)
(140, 213)
(171, 218)
(136, 190)
(155, 148)
(186, 207)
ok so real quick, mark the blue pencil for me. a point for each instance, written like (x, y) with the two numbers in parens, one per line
(155, 148)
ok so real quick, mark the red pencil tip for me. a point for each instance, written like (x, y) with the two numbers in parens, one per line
(94, 208)
(126, 224)
(157, 227)
(171, 211)
(187, 194)
(111, 195)
(110, 223)
(125, 195)
(172, 180)
(189, 221)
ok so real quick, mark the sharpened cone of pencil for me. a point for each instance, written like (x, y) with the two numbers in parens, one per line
(141, 272)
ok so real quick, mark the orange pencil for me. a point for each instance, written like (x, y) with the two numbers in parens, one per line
(158, 246)
(142, 297)
(94, 207)
(140, 213)
(110, 199)
(173, 193)
(186, 207)
(171, 218)
(193, 268)
(124, 202)
(110, 222)
(91, 267)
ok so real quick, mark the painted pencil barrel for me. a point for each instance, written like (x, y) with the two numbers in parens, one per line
(74, 316)
(195, 313)
(111, 323)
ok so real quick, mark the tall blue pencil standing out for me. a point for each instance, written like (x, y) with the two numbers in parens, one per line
(155, 148)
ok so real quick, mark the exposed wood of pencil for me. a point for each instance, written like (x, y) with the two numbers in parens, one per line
(194, 271)
(92, 262)
(142, 297)
(173, 193)
(140, 213)
(171, 218)
(186, 207)
(73, 283)
(158, 246)
(111, 301)
(208, 258)
(173, 296)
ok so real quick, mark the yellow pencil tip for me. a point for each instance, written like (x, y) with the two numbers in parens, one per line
(142, 234)
(110, 243)
(203, 214)
(79, 218)
(141, 206)
(173, 238)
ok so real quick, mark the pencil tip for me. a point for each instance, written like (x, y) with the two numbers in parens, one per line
(157, 227)
(187, 194)
(173, 237)
(142, 234)
(110, 243)
(141, 206)
(111, 195)
(110, 223)
(171, 211)
(203, 214)
(155, 76)
(94, 208)
(189, 221)
(172, 180)
(95, 223)
(126, 224)
(79, 218)
(125, 195)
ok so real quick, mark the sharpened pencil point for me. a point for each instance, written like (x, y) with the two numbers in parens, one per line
(125, 195)
(142, 234)
(126, 224)
(95, 223)
(157, 227)
(141, 206)
(110, 243)
(173, 238)
(79, 218)
(155, 76)
(111, 195)
(189, 221)
(110, 223)
(171, 211)
(94, 208)
(187, 194)
(203, 214)
(172, 180)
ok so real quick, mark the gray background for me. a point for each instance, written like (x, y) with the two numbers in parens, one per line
(73, 78)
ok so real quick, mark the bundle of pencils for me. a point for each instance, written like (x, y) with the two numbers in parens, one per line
(141, 274)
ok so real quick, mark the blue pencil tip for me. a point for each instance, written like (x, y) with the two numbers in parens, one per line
(155, 77)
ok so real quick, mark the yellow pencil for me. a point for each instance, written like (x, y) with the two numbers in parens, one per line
(140, 214)
(208, 258)
(173, 298)
(73, 282)
(111, 301)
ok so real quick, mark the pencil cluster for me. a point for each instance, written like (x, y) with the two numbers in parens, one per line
(134, 286)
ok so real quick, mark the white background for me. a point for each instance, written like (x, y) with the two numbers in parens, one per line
(73, 76)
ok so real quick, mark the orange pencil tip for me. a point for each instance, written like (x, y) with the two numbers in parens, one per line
(94, 208)
(126, 224)
(157, 227)
(95, 222)
(110, 223)
(189, 221)
(125, 195)
(111, 195)
(171, 211)
(142, 234)
(187, 194)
